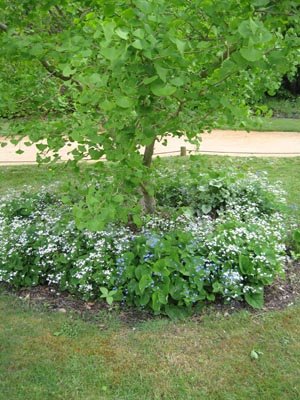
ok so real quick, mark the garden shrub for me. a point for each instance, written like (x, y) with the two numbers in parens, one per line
(172, 263)
(209, 192)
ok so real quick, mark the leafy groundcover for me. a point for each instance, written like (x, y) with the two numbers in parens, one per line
(212, 237)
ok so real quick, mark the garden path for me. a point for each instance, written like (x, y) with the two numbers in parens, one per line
(235, 143)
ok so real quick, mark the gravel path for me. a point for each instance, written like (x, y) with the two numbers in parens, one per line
(236, 143)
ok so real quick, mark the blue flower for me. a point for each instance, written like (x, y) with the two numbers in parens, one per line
(152, 241)
(148, 256)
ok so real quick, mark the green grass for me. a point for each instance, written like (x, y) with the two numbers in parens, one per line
(269, 125)
(18, 177)
(204, 359)
(275, 124)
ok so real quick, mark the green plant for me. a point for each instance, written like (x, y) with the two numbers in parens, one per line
(68, 329)
(136, 71)
(169, 265)
(213, 191)
(295, 245)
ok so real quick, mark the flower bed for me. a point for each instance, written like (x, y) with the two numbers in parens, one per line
(229, 247)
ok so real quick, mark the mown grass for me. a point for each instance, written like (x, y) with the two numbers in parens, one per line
(274, 125)
(268, 125)
(18, 177)
(158, 359)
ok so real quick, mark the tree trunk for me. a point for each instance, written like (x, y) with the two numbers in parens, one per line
(148, 200)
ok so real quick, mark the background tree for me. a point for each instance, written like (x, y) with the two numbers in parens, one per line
(137, 71)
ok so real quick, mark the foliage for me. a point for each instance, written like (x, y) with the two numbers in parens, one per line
(137, 70)
(169, 265)
(210, 192)
(26, 89)
(295, 244)
(284, 108)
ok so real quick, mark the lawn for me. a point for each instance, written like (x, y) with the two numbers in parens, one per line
(58, 355)
(275, 125)
(282, 124)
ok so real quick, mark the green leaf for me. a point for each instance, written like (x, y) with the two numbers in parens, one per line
(253, 26)
(244, 29)
(255, 300)
(251, 54)
(245, 264)
(109, 9)
(122, 33)
(108, 29)
(119, 198)
(206, 208)
(217, 287)
(37, 50)
(110, 53)
(139, 33)
(163, 91)
(68, 71)
(177, 82)
(107, 105)
(147, 81)
(264, 36)
(104, 291)
(144, 299)
(95, 78)
(161, 71)
(156, 304)
(141, 270)
(137, 44)
(137, 220)
(297, 236)
(176, 312)
(145, 281)
(261, 3)
(210, 297)
(124, 102)
(180, 46)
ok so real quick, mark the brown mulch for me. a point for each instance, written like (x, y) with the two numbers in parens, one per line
(49, 298)
(284, 292)
(281, 294)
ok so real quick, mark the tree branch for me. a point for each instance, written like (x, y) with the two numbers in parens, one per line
(226, 54)
(148, 153)
(59, 75)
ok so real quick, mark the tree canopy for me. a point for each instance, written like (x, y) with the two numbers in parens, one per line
(128, 73)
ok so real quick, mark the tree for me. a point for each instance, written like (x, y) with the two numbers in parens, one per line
(138, 70)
